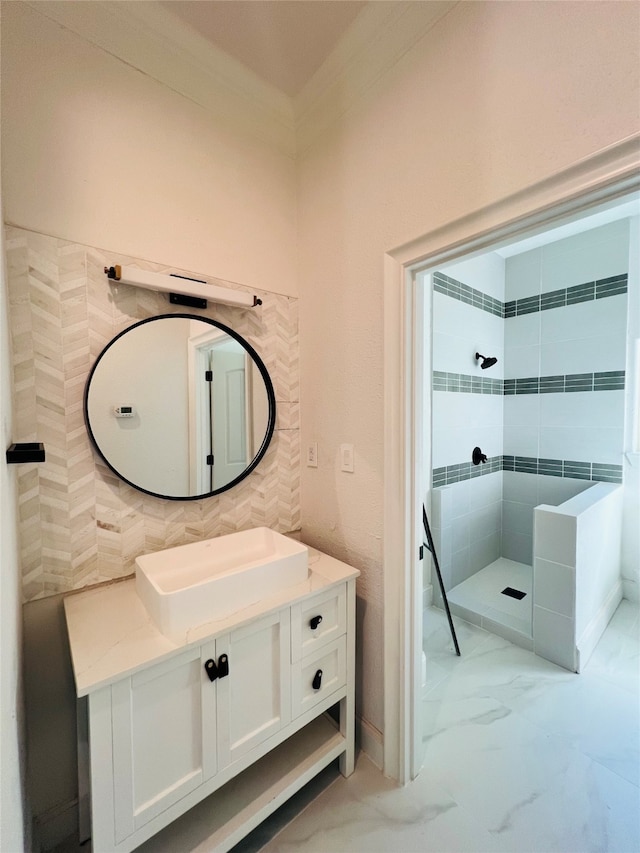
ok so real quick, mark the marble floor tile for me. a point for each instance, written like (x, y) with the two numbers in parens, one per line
(368, 814)
(520, 756)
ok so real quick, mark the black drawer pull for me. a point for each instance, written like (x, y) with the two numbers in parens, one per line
(314, 622)
(317, 680)
(211, 669)
(223, 666)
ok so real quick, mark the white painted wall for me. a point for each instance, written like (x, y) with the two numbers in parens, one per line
(12, 832)
(98, 153)
(495, 97)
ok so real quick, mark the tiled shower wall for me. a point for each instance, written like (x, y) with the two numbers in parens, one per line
(565, 345)
(550, 414)
(80, 524)
(468, 407)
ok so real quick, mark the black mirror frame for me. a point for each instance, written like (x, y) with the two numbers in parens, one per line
(270, 396)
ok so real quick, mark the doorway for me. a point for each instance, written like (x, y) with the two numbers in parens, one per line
(586, 188)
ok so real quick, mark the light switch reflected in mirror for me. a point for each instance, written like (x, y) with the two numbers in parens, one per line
(180, 406)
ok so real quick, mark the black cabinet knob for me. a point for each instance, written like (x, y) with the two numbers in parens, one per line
(314, 622)
(317, 680)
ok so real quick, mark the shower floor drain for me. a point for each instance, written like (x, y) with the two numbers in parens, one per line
(514, 593)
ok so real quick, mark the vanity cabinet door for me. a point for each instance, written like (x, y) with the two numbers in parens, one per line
(254, 700)
(164, 724)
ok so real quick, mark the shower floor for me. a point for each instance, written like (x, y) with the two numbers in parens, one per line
(480, 600)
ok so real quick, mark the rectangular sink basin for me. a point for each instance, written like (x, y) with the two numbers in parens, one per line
(192, 584)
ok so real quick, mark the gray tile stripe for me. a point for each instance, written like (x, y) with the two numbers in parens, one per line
(586, 292)
(612, 380)
(594, 471)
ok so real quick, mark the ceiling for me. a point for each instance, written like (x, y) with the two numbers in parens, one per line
(282, 41)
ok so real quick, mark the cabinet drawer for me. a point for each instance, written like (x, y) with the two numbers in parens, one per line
(331, 660)
(328, 612)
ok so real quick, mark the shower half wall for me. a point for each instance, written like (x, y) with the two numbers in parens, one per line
(549, 416)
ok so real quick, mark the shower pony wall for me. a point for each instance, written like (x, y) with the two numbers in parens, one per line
(549, 416)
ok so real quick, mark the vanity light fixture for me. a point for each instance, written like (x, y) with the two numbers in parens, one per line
(182, 290)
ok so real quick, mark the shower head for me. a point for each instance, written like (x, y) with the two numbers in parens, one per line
(486, 362)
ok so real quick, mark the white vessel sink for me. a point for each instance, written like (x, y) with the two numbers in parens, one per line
(192, 584)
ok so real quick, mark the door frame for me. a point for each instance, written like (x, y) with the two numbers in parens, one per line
(602, 177)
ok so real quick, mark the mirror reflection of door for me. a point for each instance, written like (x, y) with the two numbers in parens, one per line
(175, 421)
(222, 432)
(228, 412)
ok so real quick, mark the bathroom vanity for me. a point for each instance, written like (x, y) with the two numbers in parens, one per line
(232, 715)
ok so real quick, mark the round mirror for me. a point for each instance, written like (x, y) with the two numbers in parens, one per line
(180, 407)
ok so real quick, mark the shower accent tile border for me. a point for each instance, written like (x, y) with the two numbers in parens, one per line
(463, 383)
(585, 292)
(457, 290)
(575, 470)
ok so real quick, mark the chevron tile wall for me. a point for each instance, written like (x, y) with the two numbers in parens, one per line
(79, 523)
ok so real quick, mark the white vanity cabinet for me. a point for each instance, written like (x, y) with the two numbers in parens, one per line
(234, 721)
(174, 727)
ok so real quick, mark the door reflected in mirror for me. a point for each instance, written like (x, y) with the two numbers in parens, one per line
(180, 406)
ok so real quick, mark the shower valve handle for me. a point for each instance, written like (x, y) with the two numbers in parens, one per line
(478, 456)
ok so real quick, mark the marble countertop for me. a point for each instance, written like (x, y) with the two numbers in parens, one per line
(112, 635)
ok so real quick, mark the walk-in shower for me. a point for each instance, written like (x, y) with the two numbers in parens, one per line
(528, 531)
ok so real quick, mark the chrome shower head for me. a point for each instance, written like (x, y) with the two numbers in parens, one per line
(486, 361)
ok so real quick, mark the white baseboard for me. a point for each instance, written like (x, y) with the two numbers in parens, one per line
(595, 629)
(370, 741)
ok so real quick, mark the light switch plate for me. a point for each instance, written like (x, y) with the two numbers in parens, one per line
(312, 455)
(346, 458)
